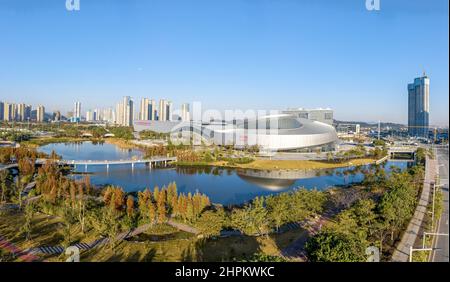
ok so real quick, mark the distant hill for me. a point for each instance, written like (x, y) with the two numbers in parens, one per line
(370, 124)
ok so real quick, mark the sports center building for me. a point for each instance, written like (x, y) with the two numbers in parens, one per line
(282, 132)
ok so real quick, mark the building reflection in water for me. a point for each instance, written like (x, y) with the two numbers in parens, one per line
(274, 180)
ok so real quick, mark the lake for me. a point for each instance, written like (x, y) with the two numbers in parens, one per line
(224, 186)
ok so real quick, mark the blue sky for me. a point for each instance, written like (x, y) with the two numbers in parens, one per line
(246, 54)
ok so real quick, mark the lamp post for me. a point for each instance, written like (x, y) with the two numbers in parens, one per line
(432, 249)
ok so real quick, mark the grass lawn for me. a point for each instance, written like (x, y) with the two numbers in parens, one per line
(291, 164)
(122, 143)
(130, 251)
(158, 243)
(45, 230)
(240, 247)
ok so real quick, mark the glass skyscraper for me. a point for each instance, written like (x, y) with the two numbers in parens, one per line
(419, 107)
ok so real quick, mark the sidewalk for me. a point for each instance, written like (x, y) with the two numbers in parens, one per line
(401, 253)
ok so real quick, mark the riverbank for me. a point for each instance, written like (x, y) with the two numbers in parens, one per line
(42, 141)
(124, 144)
(37, 142)
(263, 164)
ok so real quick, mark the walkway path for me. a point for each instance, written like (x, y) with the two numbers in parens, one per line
(21, 255)
(183, 227)
(53, 250)
(296, 250)
(401, 252)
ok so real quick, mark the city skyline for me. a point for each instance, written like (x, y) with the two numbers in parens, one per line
(255, 55)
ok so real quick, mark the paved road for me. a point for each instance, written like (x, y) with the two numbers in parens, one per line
(441, 242)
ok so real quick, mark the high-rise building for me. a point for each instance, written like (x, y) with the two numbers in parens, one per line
(27, 113)
(7, 112)
(125, 112)
(419, 106)
(165, 110)
(152, 111)
(40, 113)
(77, 111)
(13, 112)
(143, 111)
(89, 116)
(162, 110)
(147, 109)
(23, 112)
(119, 113)
(96, 115)
(2, 110)
(185, 114)
(128, 111)
(108, 115)
(169, 111)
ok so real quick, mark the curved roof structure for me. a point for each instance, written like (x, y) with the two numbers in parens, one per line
(274, 132)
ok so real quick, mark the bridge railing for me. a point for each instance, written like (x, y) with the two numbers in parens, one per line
(403, 148)
(121, 161)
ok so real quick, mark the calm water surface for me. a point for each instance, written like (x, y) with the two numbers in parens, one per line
(225, 186)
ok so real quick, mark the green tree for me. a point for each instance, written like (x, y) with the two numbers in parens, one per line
(4, 176)
(212, 222)
(347, 224)
(69, 220)
(252, 219)
(19, 192)
(306, 203)
(379, 143)
(26, 228)
(380, 232)
(261, 257)
(331, 246)
(278, 209)
(397, 205)
(357, 220)
(421, 154)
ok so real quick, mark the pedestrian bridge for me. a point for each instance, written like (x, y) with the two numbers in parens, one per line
(403, 149)
(151, 162)
(397, 151)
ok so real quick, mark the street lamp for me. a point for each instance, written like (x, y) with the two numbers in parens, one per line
(431, 234)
